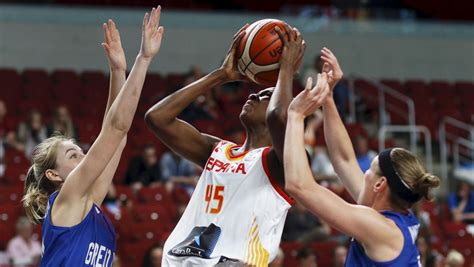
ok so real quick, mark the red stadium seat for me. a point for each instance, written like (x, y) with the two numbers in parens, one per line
(455, 230)
(154, 195)
(16, 167)
(125, 192)
(161, 215)
(291, 250)
(394, 84)
(7, 232)
(11, 195)
(132, 254)
(324, 252)
(38, 78)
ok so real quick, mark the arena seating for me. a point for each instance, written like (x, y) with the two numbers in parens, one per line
(154, 211)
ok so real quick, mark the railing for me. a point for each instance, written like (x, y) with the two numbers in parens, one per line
(443, 142)
(383, 106)
(412, 130)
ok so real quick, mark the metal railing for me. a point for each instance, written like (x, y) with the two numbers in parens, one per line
(444, 136)
(383, 106)
(412, 130)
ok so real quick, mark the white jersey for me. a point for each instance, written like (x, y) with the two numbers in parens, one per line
(235, 216)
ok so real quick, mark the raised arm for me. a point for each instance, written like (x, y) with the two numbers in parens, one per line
(292, 54)
(74, 197)
(353, 220)
(184, 139)
(341, 151)
(117, 66)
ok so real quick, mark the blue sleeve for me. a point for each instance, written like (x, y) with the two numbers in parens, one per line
(470, 204)
(452, 201)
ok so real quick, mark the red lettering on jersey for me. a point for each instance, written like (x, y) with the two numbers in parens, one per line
(218, 165)
(241, 168)
(210, 163)
(225, 167)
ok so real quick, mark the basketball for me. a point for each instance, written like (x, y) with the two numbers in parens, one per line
(259, 52)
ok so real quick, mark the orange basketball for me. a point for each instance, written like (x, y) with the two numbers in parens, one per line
(259, 52)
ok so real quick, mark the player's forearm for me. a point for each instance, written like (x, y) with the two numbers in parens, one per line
(170, 107)
(283, 94)
(123, 108)
(117, 80)
(337, 139)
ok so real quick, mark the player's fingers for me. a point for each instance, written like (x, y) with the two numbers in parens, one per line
(106, 28)
(309, 83)
(152, 17)
(158, 16)
(298, 38)
(290, 33)
(145, 21)
(280, 33)
(241, 30)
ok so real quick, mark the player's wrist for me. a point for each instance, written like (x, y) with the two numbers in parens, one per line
(221, 75)
(295, 115)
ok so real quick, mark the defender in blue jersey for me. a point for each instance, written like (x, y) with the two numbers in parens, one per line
(64, 188)
(383, 228)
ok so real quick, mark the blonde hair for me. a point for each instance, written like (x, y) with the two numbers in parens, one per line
(414, 174)
(454, 258)
(38, 187)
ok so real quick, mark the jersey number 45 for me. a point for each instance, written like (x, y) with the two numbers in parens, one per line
(214, 193)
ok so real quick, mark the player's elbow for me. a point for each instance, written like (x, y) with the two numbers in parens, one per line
(120, 125)
(276, 115)
(153, 119)
(294, 187)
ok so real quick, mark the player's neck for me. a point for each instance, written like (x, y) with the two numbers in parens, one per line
(256, 139)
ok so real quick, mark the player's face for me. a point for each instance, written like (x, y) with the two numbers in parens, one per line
(256, 106)
(367, 195)
(68, 157)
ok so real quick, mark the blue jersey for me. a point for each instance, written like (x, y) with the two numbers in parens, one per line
(409, 255)
(89, 243)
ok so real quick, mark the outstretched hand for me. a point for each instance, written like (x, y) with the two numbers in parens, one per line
(311, 98)
(113, 47)
(331, 67)
(152, 33)
(229, 66)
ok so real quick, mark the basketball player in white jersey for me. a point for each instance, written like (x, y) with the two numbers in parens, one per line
(238, 209)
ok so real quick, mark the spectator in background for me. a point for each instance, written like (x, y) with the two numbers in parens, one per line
(454, 259)
(144, 169)
(177, 170)
(424, 219)
(306, 258)
(340, 254)
(31, 132)
(312, 123)
(117, 262)
(205, 106)
(427, 256)
(340, 91)
(461, 203)
(117, 205)
(363, 153)
(62, 123)
(302, 226)
(7, 136)
(153, 256)
(278, 260)
(23, 250)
